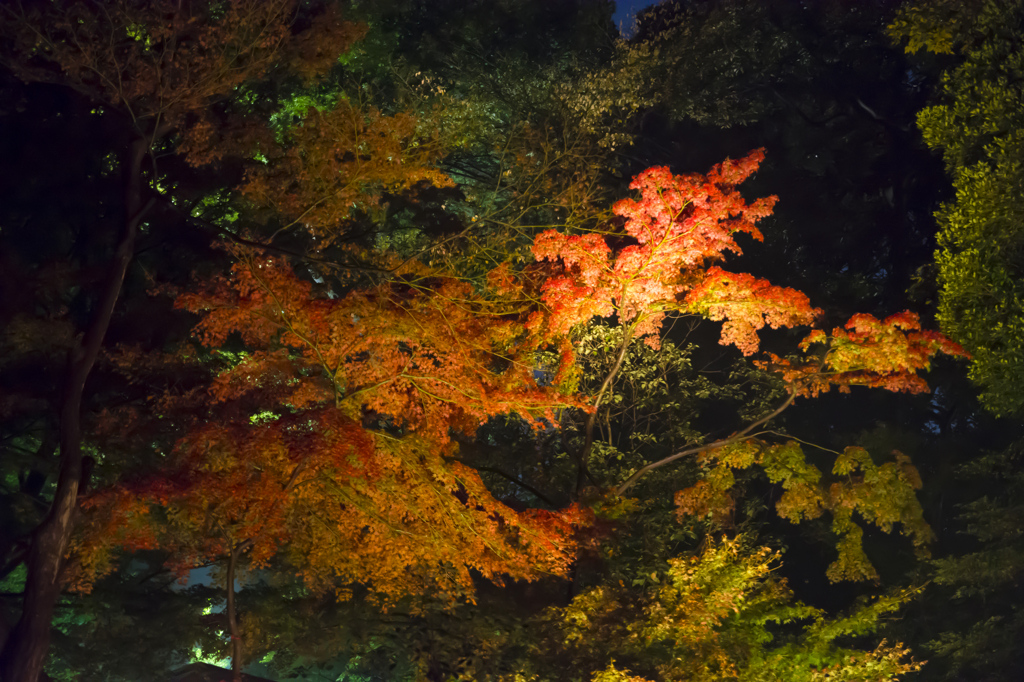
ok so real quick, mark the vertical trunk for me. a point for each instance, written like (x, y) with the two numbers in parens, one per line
(24, 653)
(583, 460)
(236, 636)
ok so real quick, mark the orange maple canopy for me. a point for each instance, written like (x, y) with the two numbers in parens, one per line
(353, 478)
(682, 226)
(340, 505)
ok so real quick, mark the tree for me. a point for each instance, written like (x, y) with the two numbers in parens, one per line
(821, 87)
(349, 402)
(506, 87)
(160, 101)
(977, 127)
(678, 226)
(711, 617)
(156, 66)
(983, 581)
(356, 361)
(331, 442)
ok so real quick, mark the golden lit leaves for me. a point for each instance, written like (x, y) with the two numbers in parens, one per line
(746, 304)
(344, 506)
(890, 347)
(113, 521)
(936, 26)
(881, 494)
(703, 593)
(709, 496)
(338, 161)
(428, 353)
(613, 674)
(407, 520)
(714, 617)
(786, 465)
(852, 563)
(287, 465)
(866, 352)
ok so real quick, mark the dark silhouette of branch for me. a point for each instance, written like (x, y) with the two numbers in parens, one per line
(739, 436)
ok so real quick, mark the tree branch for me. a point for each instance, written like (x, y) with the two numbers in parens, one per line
(588, 442)
(741, 435)
(526, 486)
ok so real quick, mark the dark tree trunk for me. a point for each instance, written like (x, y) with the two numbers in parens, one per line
(236, 635)
(24, 653)
(583, 459)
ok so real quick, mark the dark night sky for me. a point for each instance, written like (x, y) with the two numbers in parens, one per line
(624, 11)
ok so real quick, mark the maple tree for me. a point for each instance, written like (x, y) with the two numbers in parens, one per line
(317, 170)
(418, 355)
(155, 64)
(326, 165)
(595, 275)
(718, 613)
(349, 403)
(338, 443)
(681, 225)
(709, 617)
(388, 507)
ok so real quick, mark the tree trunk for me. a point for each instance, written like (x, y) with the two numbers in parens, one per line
(583, 459)
(24, 653)
(236, 636)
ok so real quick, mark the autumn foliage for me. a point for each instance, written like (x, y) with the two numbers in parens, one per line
(340, 506)
(868, 352)
(679, 225)
(713, 617)
(328, 444)
(330, 441)
(325, 166)
(410, 369)
(683, 225)
(424, 351)
(883, 495)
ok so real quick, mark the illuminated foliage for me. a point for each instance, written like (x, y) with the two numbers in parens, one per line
(719, 615)
(679, 224)
(882, 495)
(343, 505)
(338, 427)
(866, 352)
(326, 166)
(153, 66)
(413, 360)
(935, 26)
(424, 351)
(978, 128)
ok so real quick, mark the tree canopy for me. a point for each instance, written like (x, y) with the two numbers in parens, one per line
(471, 341)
